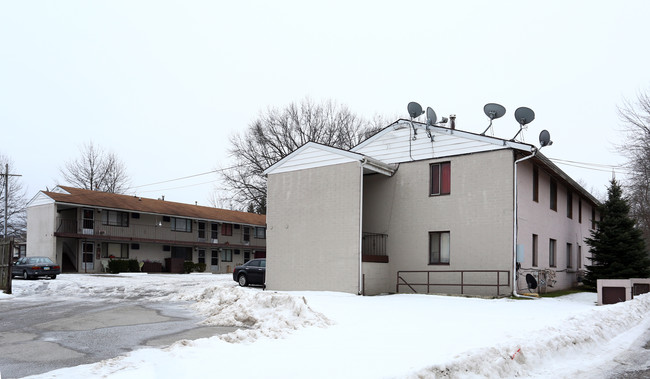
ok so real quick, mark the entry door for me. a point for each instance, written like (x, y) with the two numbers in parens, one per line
(88, 256)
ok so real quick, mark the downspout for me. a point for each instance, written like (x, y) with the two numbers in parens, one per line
(514, 236)
(361, 289)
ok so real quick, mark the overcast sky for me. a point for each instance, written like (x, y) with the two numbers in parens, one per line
(165, 84)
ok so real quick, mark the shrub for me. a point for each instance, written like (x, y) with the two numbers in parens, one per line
(188, 266)
(200, 267)
(115, 266)
(134, 266)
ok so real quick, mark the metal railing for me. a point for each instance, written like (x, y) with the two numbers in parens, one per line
(401, 281)
(133, 232)
(373, 244)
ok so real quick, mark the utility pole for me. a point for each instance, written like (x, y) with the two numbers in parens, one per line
(6, 178)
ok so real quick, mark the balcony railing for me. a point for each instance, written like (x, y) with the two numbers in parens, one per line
(134, 232)
(373, 247)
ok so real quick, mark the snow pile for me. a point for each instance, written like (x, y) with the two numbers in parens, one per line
(586, 337)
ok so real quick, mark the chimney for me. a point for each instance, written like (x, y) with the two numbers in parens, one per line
(452, 121)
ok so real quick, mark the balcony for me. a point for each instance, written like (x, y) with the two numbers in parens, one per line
(373, 248)
(133, 233)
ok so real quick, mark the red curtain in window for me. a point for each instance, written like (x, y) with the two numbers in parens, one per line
(445, 181)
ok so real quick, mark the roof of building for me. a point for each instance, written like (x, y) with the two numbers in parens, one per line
(77, 196)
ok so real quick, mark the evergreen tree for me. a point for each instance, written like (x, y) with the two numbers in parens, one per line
(616, 245)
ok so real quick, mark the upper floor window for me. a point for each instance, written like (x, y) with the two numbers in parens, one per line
(181, 224)
(439, 248)
(593, 218)
(201, 229)
(440, 182)
(260, 232)
(226, 229)
(553, 188)
(569, 203)
(535, 184)
(580, 210)
(214, 230)
(247, 233)
(115, 218)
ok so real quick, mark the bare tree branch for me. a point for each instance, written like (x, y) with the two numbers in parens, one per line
(16, 202)
(278, 132)
(96, 170)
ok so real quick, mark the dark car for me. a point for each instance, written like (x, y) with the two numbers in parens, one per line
(33, 267)
(251, 272)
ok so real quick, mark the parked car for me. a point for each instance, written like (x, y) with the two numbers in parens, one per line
(251, 272)
(33, 267)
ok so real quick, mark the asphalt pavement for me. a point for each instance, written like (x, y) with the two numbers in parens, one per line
(37, 337)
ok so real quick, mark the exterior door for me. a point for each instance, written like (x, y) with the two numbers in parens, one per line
(88, 256)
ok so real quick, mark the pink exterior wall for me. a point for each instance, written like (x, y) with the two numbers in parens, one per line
(537, 218)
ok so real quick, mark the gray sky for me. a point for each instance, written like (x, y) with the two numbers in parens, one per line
(165, 84)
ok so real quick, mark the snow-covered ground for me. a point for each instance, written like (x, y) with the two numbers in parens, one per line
(327, 334)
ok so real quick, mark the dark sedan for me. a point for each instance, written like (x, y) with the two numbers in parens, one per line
(33, 267)
(251, 272)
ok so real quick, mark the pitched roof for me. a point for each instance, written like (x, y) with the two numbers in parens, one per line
(77, 196)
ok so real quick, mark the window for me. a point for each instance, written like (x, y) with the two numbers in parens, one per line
(214, 259)
(593, 218)
(440, 179)
(247, 255)
(535, 184)
(88, 219)
(580, 210)
(115, 250)
(181, 224)
(247, 234)
(226, 229)
(260, 232)
(553, 194)
(115, 218)
(214, 230)
(552, 252)
(166, 218)
(135, 215)
(569, 255)
(438, 248)
(534, 250)
(135, 246)
(201, 256)
(569, 203)
(579, 256)
(226, 255)
(201, 227)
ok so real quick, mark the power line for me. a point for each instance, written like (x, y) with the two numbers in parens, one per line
(590, 166)
(187, 177)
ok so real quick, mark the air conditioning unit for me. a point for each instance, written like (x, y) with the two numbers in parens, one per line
(215, 240)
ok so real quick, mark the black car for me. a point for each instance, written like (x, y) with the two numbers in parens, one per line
(33, 267)
(251, 272)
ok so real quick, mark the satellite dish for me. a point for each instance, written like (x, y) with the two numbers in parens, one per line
(415, 109)
(532, 283)
(431, 116)
(524, 115)
(545, 138)
(493, 110)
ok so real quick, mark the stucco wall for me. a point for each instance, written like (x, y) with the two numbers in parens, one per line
(538, 218)
(40, 231)
(477, 213)
(313, 232)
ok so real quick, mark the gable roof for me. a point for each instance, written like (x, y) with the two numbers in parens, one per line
(314, 154)
(82, 197)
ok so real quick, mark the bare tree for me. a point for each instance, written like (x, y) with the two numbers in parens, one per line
(16, 202)
(278, 132)
(636, 148)
(96, 170)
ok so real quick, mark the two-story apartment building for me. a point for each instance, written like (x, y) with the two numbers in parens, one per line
(82, 229)
(435, 211)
